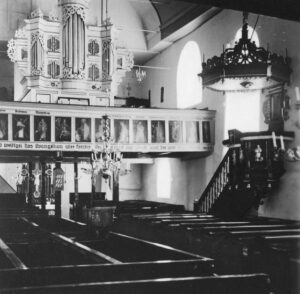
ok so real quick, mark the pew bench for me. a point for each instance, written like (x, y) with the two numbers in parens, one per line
(131, 249)
(233, 284)
(42, 276)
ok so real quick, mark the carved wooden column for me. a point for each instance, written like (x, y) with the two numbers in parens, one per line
(58, 194)
(30, 183)
(93, 186)
(76, 200)
(116, 177)
(76, 208)
(43, 184)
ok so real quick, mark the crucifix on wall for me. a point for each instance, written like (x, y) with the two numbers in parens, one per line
(128, 88)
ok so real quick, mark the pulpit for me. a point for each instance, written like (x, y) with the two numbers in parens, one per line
(257, 159)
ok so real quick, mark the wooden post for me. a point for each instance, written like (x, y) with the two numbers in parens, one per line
(30, 183)
(76, 181)
(76, 208)
(58, 195)
(93, 181)
(116, 177)
(43, 190)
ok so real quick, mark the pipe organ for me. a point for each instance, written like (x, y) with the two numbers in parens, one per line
(73, 41)
(62, 56)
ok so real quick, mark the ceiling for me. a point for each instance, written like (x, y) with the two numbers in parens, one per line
(179, 18)
(285, 9)
(175, 19)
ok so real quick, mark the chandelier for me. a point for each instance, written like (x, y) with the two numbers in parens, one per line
(245, 67)
(109, 159)
(140, 74)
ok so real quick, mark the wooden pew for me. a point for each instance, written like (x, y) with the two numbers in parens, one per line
(53, 224)
(172, 216)
(235, 284)
(254, 233)
(15, 225)
(41, 276)
(9, 258)
(51, 253)
(139, 206)
(240, 229)
(131, 249)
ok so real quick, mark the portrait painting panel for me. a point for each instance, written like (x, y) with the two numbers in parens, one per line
(192, 132)
(83, 129)
(99, 129)
(158, 131)
(140, 131)
(206, 132)
(121, 131)
(21, 127)
(42, 128)
(63, 127)
(175, 131)
(3, 126)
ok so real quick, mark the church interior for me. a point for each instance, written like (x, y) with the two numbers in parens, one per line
(150, 145)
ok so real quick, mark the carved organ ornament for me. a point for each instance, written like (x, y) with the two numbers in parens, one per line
(68, 54)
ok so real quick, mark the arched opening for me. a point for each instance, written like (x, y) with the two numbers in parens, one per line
(251, 34)
(189, 87)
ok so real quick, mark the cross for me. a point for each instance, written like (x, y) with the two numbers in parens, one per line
(37, 172)
(128, 88)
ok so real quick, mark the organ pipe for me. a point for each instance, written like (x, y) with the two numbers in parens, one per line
(37, 55)
(74, 43)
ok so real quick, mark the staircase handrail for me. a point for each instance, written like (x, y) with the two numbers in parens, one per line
(207, 199)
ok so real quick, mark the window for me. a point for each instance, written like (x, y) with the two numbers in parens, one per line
(189, 87)
(251, 34)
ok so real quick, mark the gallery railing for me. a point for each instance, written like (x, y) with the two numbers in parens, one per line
(79, 128)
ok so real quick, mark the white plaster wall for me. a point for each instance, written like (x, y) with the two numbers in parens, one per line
(9, 173)
(131, 184)
(211, 37)
(177, 180)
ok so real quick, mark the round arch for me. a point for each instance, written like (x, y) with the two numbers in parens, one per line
(189, 86)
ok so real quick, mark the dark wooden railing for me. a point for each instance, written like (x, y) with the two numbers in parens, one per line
(254, 163)
(217, 184)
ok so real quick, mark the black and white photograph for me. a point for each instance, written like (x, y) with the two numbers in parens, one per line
(3, 126)
(82, 129)
(150, 146)
(21, 127)
(63, 129)
(42, 128)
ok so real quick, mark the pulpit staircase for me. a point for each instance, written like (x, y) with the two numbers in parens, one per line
(224, 196)
(244, 178)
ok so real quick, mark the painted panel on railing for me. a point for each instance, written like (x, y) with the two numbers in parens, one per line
(31, 126)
